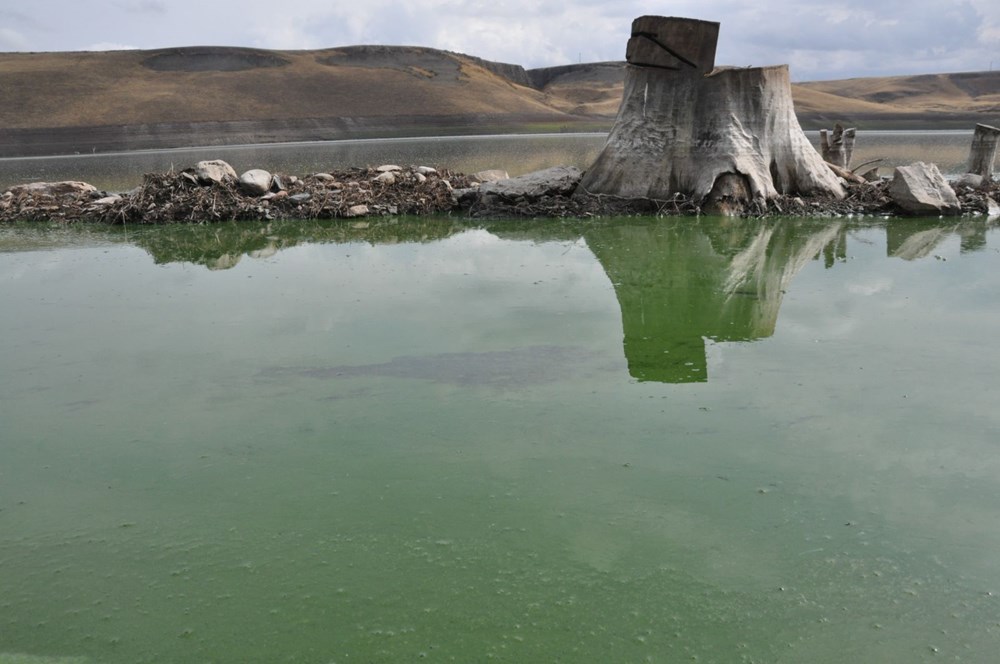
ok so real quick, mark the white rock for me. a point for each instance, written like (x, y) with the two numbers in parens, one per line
(388, 168)
(921, 189)
(559, 180)
(972, 180)
(388, 177)
(256, 182)
(491, 175)
(357, 211)
(426, 170)
(69, 187)
(107, 200)
(420, 177)
(214, 170)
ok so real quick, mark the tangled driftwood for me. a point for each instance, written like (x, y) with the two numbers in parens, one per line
(180, 197)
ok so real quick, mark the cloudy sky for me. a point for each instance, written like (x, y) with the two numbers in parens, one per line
(820, 39)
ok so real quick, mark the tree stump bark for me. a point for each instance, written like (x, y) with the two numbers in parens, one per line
(983, 152)
(684, 125)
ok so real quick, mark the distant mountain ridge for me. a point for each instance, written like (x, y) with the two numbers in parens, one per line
(207, 95)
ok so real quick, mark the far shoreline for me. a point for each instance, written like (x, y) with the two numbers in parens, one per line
(127, 139)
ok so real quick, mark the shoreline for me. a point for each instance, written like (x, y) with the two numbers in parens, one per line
(211, 192)
(107, 140)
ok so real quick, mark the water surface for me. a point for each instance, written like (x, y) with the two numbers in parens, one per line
(517, 154)
(663, 440)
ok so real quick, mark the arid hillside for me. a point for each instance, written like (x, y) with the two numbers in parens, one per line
(224, 84)
(99, 101)
(947, 101)
(76, 102)
(956, 100)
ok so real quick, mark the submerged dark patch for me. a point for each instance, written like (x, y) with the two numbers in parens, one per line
(506, 368)
(212, 58)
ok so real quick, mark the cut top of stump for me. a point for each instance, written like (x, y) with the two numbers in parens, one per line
(669, 42)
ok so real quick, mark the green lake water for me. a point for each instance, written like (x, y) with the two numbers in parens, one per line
(618, 441)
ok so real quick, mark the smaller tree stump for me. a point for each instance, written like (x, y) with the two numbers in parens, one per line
(983, 151)
(838, 148)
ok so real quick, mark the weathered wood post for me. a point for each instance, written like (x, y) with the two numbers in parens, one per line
(726, 138)
(837, 148)
(983, 151)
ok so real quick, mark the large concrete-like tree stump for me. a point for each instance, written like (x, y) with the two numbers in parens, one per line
(713, 135)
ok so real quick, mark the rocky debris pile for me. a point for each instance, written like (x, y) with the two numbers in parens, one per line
(555, 192)
(212, 191)
(915, 190)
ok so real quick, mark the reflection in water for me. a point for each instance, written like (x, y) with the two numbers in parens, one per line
(222, 246)
(921, 237)
(503, 476)
(680, 283)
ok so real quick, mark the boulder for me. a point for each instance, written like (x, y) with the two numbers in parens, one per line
(426, 170)
(971, 180)
(214, 171)
(256, 182)
(387, 177)
(920, 189)
(491, 175)
(555, 181)
(357, 211)
(67, 188)
(388, 168)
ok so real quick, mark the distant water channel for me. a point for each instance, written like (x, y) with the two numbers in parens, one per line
(712, 440)
(516, 154)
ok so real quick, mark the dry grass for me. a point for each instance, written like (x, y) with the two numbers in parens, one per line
(943, 93)
(90, 89)
(362, 84)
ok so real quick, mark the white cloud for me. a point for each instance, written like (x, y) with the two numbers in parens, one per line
(12, 40)
(143, 6)
(816, 39)
(109, 46)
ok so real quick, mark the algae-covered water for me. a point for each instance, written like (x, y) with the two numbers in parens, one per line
(618, 441)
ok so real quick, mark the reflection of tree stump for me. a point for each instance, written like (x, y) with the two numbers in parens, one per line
(680, 284)
(683, 125)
